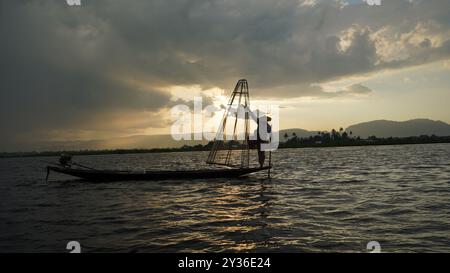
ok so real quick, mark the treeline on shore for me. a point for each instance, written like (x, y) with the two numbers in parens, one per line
(342, 138)
(321, 139)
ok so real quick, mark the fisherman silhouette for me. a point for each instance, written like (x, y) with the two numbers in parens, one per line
(263, 133)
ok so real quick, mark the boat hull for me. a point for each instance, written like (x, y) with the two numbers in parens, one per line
(110, 175)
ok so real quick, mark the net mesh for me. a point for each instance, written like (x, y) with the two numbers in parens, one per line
(232, 147)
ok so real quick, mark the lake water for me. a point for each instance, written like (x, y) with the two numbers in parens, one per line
(318, 200)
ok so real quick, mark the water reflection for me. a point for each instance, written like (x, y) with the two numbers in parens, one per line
(238, 214)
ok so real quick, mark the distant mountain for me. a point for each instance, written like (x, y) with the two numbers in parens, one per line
(130, 142)
(388, 128)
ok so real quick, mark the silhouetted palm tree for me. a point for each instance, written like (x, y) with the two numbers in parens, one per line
(333, 134)
(344, 135)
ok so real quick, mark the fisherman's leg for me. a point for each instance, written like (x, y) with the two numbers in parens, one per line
(261, 158)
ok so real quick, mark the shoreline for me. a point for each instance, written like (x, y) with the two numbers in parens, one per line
(283, 145)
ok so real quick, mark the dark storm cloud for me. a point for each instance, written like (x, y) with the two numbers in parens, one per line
(213, 43)
(62, 65)
(54, 73)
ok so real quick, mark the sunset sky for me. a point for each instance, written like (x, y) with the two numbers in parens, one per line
(115, 68)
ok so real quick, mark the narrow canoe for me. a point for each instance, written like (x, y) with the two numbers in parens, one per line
(114, 175)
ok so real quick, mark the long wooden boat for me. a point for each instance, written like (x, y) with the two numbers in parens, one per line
(118, 175)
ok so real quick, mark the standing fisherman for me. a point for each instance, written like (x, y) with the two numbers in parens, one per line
(263, 123)
(263, 131)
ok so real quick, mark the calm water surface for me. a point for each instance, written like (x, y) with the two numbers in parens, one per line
(322, 199)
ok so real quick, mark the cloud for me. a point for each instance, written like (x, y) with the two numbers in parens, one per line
(66, 67)
(358, 89)
(351, 91)
(318, 92)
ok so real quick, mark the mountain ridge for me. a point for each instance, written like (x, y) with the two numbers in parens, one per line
(390, 128)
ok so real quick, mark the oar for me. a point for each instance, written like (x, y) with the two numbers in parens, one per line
(48, 173)
(270, 164)
(48, 168)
